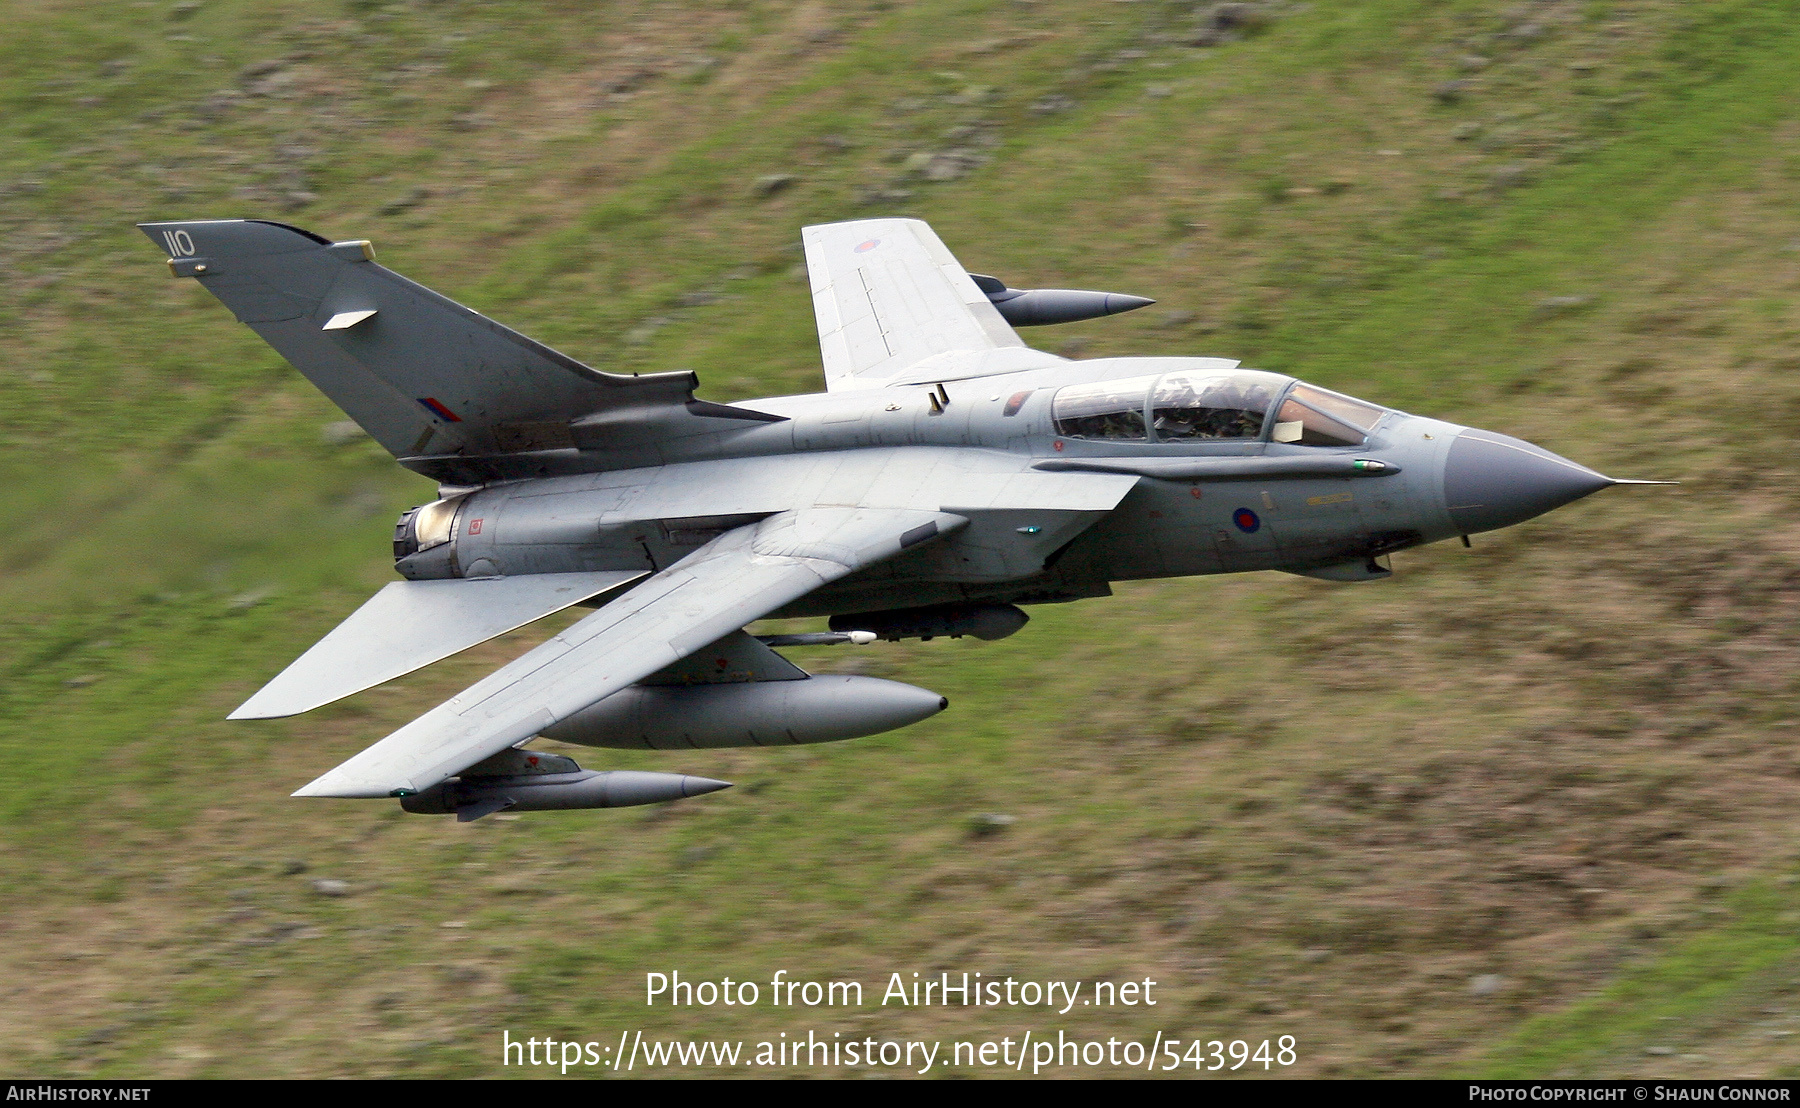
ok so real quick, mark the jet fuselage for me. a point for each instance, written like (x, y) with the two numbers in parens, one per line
(933, 442)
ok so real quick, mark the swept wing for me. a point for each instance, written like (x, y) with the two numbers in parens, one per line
(410, 624)
(733, 580)
(888, 294)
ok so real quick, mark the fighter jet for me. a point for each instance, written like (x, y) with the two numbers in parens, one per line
(948, 476)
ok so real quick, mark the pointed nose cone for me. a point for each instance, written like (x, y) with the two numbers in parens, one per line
(1117, 302)
(700, 786)
(1493, 481)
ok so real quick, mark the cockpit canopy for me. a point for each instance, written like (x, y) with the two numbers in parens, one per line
(1197, 406)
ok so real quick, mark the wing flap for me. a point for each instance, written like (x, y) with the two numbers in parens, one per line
(410, 624)
(735, 579)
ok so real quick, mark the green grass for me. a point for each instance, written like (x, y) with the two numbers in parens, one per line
(1309, 809)
(1748, 957)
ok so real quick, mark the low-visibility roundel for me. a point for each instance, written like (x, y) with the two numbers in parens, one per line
(1246, 521)
(437, 408)
(865, 247)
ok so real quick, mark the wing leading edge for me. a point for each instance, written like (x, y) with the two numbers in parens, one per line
(737, 578)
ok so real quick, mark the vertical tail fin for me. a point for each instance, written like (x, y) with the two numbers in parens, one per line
(420, 372)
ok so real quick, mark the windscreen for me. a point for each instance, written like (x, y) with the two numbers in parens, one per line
(1313, 417)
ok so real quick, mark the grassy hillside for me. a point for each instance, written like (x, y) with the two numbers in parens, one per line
(1523, 809)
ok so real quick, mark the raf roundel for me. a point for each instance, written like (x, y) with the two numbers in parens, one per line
(865, 247)
(1246, 521)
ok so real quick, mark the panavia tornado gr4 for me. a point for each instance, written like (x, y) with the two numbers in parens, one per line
(948, 475)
